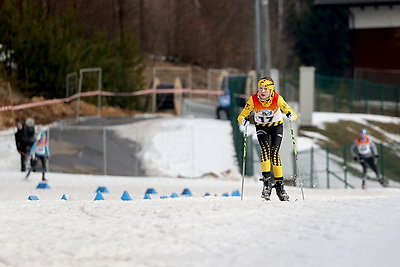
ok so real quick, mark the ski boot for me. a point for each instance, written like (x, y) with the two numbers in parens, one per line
(267, 187)
(363, 185)
(43, 178)
(280, 191)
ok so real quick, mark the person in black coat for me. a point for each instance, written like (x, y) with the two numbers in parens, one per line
(20, 144)
(29, 136)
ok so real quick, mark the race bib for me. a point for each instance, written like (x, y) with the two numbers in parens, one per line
(364, 149)
(267, 116)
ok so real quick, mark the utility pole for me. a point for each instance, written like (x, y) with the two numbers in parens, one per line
(262, 38)
(257, 48)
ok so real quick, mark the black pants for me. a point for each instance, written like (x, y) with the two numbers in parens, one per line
(370, 161)
(23, 161)
(226, 110)
(42, 160)
(270, 139)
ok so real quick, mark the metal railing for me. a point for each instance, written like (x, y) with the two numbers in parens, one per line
(335, 168)
(337, 94)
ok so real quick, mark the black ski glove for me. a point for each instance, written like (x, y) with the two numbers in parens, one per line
(290, 116)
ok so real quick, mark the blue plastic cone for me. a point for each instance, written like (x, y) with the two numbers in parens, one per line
(206, 194)
(163, 197)
(225, 195)
(147, 196)
(32, 197)
(102, 189)
(187, 192)
(151, 191)
(98, 196)
(65, 197)
(236, 193)
(174, 195)
(43, 186)
(125, 196)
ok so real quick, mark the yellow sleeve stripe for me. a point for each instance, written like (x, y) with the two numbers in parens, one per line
(248, 108)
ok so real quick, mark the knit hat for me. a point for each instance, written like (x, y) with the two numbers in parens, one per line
(30, 122)
(266, 81)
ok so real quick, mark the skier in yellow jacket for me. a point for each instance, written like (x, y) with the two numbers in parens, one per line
(267, 106)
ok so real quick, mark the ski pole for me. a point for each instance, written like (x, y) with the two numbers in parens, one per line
(296, 157)
(244, 159)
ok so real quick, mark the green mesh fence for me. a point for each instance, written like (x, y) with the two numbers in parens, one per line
(289, 86)
(334, 167)
(333, 94)
(237, 87)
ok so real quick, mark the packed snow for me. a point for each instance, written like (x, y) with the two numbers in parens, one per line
(335, 227)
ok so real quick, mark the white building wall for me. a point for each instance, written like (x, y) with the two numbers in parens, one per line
(375, 17)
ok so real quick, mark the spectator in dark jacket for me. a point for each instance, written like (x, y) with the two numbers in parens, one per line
(20, 144)
(29, 136)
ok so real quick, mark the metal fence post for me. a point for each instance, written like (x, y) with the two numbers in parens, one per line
(382, 162)
(327, 168)
(312, 169)
(318, 94)
(345, 165)
(105, 150)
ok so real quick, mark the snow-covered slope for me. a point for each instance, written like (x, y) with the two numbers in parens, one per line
(336, 227)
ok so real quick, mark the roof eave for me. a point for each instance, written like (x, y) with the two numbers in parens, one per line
(360, 4)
